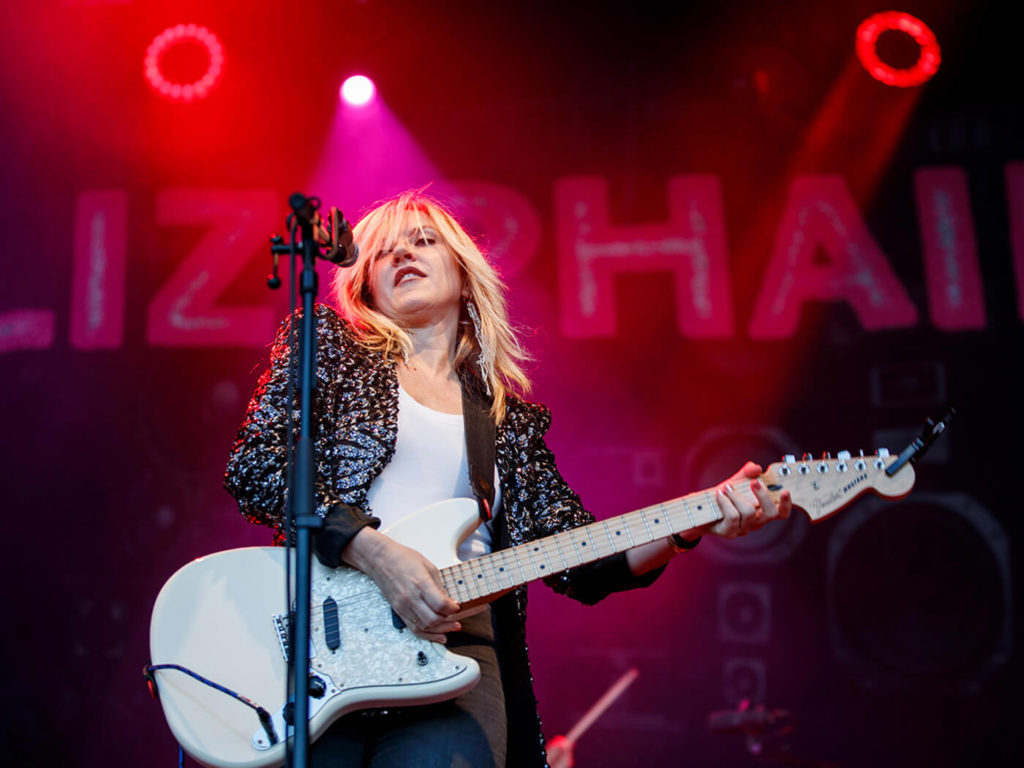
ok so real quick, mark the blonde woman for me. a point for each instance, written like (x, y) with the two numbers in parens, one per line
(422, 334)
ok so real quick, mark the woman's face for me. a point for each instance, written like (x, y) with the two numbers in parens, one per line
(417, 282)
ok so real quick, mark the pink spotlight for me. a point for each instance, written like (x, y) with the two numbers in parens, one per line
(358, 91)
(180, 34)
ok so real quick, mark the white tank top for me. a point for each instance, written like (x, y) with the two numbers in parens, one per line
(429, 465)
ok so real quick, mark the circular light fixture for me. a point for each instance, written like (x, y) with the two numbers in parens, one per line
(358, 90)
(178, 35)
(928, 59)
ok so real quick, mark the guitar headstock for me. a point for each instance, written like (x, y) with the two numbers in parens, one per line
(821, 487)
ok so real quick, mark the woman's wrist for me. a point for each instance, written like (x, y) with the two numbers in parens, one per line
(364, 550)
(341, 525)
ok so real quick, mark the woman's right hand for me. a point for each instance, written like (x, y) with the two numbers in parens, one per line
(410, 583)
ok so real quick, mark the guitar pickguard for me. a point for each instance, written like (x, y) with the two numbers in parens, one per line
(376, 663)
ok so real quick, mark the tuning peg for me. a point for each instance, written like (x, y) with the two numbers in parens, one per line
(841, 458)
(789, 458)
(861, 463)
(807, 457)
(880, 455)
(826, 456)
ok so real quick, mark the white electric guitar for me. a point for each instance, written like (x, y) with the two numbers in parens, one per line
(224, 618)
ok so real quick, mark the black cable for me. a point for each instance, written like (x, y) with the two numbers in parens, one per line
(264, 716)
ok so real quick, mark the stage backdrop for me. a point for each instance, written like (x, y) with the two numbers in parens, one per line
(723, 240)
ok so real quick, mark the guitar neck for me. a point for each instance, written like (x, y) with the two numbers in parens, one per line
(820, 487)
(483, 578)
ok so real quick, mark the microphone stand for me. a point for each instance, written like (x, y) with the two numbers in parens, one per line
(302, 501)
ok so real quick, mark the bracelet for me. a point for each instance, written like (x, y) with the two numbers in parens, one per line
(679, 544)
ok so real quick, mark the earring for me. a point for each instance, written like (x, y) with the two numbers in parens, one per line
(482, 362)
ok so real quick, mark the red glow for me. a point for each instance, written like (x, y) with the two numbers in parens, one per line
(358, 90)
(170, 37)
(927, 62)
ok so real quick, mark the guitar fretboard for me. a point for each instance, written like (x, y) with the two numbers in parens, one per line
(499, 571)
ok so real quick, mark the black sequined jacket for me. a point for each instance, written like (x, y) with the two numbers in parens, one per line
(356, 417)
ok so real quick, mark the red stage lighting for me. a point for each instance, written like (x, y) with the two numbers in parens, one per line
(178, 35)
(358, 91)
(928, 60)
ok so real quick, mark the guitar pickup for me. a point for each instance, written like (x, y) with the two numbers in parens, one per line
(332, 630)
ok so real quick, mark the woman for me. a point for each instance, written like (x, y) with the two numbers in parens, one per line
(425, 331)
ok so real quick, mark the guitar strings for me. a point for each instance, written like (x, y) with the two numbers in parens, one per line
(564, 546)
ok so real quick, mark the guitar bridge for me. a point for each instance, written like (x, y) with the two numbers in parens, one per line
(283, 628)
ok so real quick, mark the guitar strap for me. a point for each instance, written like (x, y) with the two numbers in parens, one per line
(480, 433)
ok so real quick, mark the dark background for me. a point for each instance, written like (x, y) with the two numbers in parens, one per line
(889, 632)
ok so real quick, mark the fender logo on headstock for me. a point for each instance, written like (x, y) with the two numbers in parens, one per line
(837, 495)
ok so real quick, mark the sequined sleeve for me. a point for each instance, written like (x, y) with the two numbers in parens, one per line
(545, 504)
(256, 471)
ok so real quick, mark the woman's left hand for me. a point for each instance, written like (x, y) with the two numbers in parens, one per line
(745, 512)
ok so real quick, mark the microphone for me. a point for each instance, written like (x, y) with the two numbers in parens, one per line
(338, 234)
(344, 252)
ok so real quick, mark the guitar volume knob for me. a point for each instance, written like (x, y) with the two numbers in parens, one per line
(317, 687)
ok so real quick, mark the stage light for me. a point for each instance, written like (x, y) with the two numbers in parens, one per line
(184, 34)
(928, 59)
(358, 91)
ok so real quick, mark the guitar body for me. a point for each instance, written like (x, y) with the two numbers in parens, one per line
(222, 617)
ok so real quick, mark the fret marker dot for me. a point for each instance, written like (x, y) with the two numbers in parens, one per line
(479, 575)
(656, 521)
(583, 543)
(501, 569)
(618, 533)
(542, 567)
(460, 581)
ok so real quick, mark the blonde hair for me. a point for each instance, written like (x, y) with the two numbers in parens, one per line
(498, 360)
